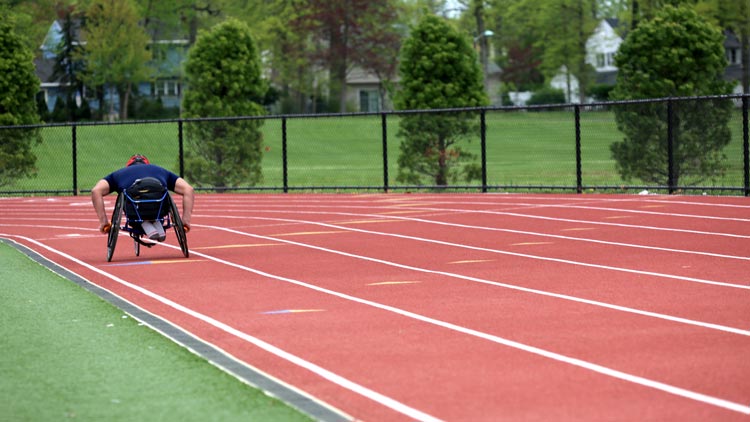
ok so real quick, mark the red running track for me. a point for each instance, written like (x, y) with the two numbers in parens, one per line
(486, 307)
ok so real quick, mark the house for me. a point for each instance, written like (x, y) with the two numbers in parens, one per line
(363, 89)
(732, 46)
(604, 43)
(601, 48)
(363, 92)
(166, 64)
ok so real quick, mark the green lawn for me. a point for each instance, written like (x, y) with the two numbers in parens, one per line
(69, 355)
(523, 148)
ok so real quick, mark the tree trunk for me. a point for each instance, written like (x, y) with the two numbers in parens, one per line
(338, 62)
(124, 100)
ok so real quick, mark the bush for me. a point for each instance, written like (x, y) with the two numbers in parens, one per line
(600, 92)
(547, 95)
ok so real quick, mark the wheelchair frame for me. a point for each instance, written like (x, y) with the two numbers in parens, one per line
(132, 226)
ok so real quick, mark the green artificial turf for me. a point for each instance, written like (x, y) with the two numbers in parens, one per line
(69, 355)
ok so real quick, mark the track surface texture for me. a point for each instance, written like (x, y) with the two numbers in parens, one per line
(454, 307)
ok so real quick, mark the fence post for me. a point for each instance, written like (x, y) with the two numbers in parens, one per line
(745, 144)
(75, 159)
(670, 147)
(579, 176)
(182, 152)
(283, 155)
(483, 138)
(384, 127)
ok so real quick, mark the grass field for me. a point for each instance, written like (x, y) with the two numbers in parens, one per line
(523, 148)
(69, 355)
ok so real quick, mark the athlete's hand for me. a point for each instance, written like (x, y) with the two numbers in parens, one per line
(105, 228)
(186, 227)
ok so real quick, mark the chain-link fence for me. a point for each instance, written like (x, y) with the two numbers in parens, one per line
(690, 145)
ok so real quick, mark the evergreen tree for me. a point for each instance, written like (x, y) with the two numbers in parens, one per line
(438, 69)
(224, 79)
(676, 54)
(18, 106)
(69, 68)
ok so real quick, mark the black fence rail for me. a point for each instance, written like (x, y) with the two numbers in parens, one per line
(691, 145)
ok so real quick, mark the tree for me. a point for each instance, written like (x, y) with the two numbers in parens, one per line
(675, 54)
(567, 25)
(438, 69)
(344, 32)
(224, 79)
(32, 19)
(18, 88)
(164, 19)
(517, 54)
(69, 68)
(288, 53)
(116, 49)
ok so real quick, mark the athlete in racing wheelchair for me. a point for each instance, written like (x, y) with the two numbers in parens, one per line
(143, 197)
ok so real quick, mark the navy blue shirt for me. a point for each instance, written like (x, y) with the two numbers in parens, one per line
(126, 176)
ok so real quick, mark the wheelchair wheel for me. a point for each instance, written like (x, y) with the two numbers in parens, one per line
(137, 247)
(115, 226)
(179, 229)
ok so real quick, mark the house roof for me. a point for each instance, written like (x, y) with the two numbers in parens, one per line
(731, 40)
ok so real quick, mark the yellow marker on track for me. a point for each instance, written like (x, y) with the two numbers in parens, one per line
(472, 261)
(531, 243)
(390, 283)
(307, 233)
(244, 245)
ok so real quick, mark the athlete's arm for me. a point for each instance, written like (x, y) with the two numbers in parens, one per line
(183, 188)
(97, 199)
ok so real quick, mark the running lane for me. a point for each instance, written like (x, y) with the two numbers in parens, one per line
(419, 329)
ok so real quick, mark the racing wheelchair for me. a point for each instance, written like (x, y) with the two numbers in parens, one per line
(146, 200)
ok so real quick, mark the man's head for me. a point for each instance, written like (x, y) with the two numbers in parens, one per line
(137, 159)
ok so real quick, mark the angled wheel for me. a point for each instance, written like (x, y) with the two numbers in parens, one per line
(179, 228)
(115, 226)
(137, 247)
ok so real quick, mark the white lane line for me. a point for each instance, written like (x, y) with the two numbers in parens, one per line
(704, 398)
(671, 318)
(671, 389)
(666, 214)
(497, 229)
(284, 208)
(316, 369)
(497, 251)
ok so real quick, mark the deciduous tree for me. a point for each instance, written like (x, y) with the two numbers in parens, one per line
(116, 49)
(344, 32)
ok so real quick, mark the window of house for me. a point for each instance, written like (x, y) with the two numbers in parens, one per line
(166, 88)
(733, 56)
(599, 60)
(610, 59)
(369, 100)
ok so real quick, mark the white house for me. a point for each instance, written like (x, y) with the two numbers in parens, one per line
(600, 53)
(605, 42)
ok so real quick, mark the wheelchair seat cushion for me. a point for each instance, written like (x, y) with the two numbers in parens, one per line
(144, 200)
